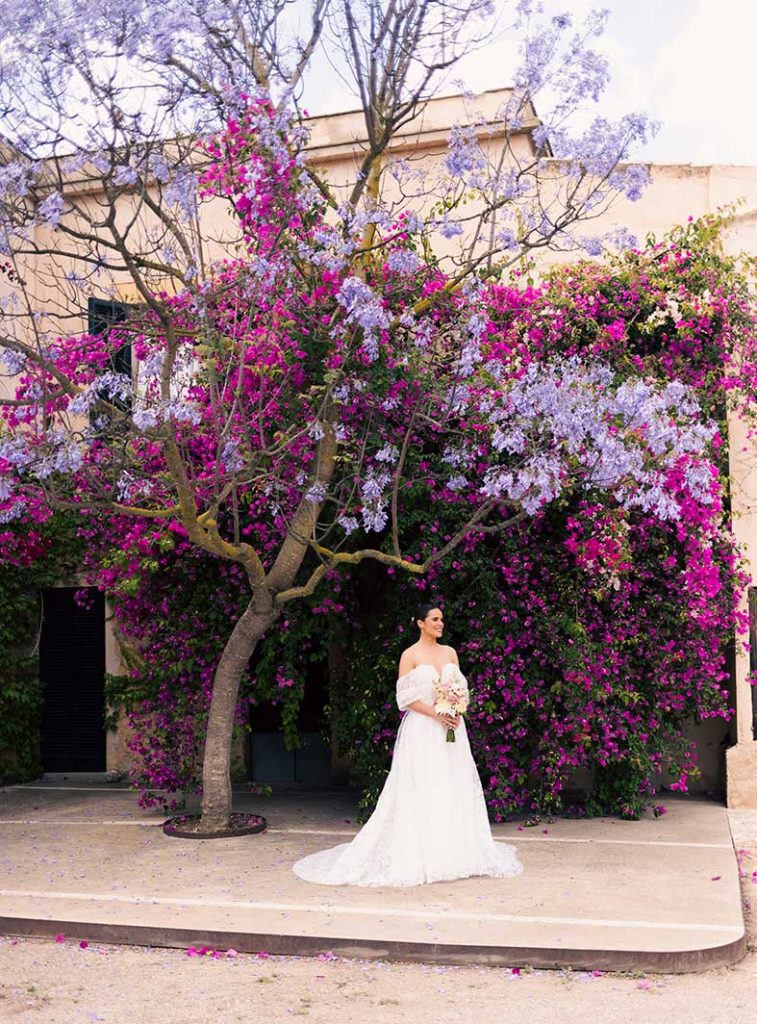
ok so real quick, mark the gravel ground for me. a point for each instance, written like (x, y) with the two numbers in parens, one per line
(59, 982)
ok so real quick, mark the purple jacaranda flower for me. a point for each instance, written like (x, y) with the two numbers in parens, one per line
(109, 385)
(389, 453)
(364, 308)
(465, 160)
(145, 418)
(316, 493)
(50, 210)
(13, 511)
(374, 519)
(593, 246)
(14, 362)
(181, 193)
(403, 261)
(447, 227)
(16, 451)
(348, 523)
(125, 175)
(566, 420)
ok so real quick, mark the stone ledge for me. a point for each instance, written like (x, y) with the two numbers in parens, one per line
(650, 961)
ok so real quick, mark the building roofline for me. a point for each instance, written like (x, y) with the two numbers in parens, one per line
(339, 134)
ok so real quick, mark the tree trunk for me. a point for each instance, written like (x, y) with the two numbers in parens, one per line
(252, 625)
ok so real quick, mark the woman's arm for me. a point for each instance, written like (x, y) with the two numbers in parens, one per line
(448, 721)
(406, 663)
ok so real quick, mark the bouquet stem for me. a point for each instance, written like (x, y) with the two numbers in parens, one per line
(450, 735)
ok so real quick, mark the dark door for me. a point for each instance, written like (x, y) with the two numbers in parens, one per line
(268, 759)
(72, 669)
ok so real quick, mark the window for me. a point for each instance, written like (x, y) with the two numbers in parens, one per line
(103, 314)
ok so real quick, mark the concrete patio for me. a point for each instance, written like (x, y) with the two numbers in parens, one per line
(657, 895)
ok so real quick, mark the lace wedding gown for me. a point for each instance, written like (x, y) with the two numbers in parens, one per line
(430, 822)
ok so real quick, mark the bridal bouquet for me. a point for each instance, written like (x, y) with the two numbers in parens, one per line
(451, 696)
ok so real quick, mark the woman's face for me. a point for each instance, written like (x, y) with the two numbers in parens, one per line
(433, 625)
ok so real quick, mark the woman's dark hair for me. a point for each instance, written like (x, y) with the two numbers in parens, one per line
(422, 610)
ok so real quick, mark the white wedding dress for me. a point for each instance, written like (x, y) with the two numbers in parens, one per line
(430, 823)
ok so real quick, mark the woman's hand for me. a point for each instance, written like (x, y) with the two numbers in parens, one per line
(448, 721)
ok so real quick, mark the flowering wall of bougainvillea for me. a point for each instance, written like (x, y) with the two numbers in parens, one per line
(590, 634)
(569, 435)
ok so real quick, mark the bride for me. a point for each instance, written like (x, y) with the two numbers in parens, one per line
(430, 823)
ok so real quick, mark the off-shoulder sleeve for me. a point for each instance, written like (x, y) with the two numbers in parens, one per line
(409, 689)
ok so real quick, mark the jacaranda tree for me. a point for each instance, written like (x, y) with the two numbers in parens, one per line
(291, 395)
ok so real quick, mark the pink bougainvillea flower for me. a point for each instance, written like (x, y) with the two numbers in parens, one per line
(83, 944)
(60, 937)
(716, 878)
(231, 953)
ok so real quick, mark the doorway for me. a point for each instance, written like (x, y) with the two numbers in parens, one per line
(268, 759)
(72, 674)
